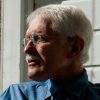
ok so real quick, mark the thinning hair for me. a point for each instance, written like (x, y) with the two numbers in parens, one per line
(68, 21)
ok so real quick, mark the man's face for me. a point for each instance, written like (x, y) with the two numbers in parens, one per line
(46, 58)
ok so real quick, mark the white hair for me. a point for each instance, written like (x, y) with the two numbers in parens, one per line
(69, 21)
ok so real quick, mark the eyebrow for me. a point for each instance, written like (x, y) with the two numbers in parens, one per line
(39, 34)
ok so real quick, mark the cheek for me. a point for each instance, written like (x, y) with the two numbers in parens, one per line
(47, 53)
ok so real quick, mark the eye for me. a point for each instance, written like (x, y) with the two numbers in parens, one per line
(44, 38)
(40, 38)
(36, 38)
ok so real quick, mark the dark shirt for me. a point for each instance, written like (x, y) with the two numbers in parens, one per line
(78, 89)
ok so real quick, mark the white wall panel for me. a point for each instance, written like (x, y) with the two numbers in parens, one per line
(11, 45)
(97, 14)
(90, 73)
(96, 75)
(96, 48)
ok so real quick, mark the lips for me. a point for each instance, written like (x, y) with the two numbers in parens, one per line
(34, 62)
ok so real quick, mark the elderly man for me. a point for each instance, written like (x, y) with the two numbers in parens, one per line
(56, 46)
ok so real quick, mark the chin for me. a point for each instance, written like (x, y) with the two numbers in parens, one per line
(38, 79)
(37, 76)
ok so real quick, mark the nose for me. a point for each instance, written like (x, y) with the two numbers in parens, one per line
(29, 48)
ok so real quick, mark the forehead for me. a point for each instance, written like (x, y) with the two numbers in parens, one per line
(36, 25)
(42, 26)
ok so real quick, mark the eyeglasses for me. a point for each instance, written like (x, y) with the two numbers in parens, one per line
(35, 39)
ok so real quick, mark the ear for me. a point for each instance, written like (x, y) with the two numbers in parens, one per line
(76, 45)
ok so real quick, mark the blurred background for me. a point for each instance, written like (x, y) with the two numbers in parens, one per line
(13, 26)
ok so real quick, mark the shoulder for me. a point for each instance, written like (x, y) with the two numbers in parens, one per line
(95, 86)
(19, 89)
(23, 91)
(94, 90)
(21, 86)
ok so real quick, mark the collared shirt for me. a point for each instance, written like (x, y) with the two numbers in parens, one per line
(78, 89)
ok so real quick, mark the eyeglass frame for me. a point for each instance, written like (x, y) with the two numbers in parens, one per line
(35, 38)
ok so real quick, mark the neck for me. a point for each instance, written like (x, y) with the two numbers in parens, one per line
(70, 73)
(68, 80)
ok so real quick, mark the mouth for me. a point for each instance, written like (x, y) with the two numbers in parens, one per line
(33, 62)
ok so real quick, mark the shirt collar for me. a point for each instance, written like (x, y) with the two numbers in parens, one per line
(78, 86)
(49, 87)
(75, 87)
